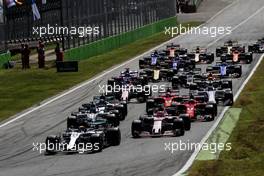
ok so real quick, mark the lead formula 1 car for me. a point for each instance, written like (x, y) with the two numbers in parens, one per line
(83, 140)
(225, 70)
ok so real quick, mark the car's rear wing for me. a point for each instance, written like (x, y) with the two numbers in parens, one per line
(172, 45)
(231, 43)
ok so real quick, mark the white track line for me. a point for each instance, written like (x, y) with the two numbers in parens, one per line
(221, 11)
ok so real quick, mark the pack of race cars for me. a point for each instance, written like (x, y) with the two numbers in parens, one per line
(191, 94)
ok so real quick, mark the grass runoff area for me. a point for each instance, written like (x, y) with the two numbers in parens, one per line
(21, 89)
(247, 154)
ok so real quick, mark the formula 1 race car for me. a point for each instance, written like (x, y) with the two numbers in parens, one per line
(225, 70)
(197, 110)
(258, 47)
(164, 99)
(127, 87)
(194, 108)
(83, 140)
(119, 82)
(165, 62)
(229, 47)
(109, 100)
(168, 70)
(184, 79)
(155, 59)
(201, 84)
(90, 119)
(160, 124)
(201, 56)
(172, 50)
(237, 57)
(157, 74)
(183, 63)
(128, 74)
(216, 96)
(197, 107)
(118, 108)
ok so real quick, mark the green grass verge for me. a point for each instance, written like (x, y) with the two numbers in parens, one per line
(247, 154)
(21, 89)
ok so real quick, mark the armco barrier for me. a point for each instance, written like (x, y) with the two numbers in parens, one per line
(110, 43)
(4, 58)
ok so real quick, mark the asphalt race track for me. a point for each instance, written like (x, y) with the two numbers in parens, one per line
(145, 156)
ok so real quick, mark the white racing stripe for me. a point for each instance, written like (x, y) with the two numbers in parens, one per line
(74, 137)
(157, 126)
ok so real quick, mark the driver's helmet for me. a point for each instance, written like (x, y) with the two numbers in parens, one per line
(170, 46)
(235, 51)
(210, 76)
(210, 88)
(229, 43)
(191, 97)
(128, 82)
(223, 64)
(93, 108)
(82, 128)
(102, 97)
(197, 49)
(168, 95)
(70, 128)
(101, 101)
(191, 101)
(127, 72)
(160, 114)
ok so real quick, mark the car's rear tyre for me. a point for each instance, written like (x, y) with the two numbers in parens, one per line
(178, 127)
(72, 122)
(97, 142)
(210, 110)
(114, 136)
(141, 99)
(186, 121)
(51, 142)
(136, 128)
